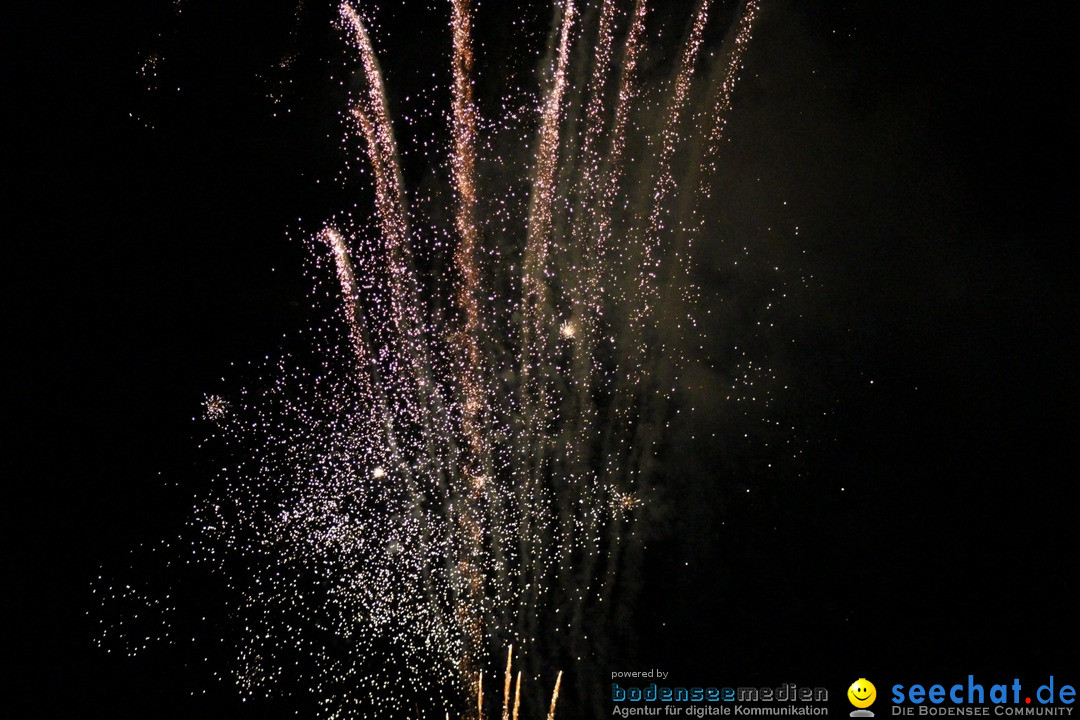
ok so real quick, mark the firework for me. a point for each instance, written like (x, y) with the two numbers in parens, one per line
(451, 478)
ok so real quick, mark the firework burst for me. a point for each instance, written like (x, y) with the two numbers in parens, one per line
(451, 478)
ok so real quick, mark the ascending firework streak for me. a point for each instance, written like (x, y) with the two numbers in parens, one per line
(460, 477)
(475, 462)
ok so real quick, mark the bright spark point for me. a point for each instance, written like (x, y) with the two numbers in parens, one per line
(215, 407)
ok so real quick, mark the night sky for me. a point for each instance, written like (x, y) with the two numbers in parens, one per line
(926, 155)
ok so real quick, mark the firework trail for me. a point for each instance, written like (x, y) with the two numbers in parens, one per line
(447, 481)
(475, 463)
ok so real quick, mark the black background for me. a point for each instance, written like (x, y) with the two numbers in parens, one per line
(926, 154)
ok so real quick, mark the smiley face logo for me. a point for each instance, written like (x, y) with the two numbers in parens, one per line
(862, 693)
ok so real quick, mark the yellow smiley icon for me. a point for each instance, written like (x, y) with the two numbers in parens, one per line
(862, 693)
